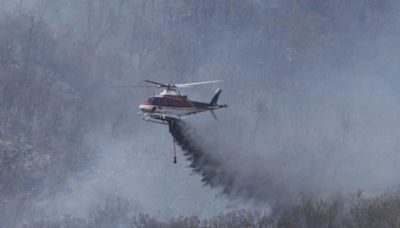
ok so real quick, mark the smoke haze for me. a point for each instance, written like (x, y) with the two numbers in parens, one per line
(312, 88)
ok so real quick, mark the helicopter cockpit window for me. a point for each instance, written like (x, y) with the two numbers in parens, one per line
(154, 101)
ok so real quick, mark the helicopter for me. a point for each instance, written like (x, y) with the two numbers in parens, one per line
(169, 106)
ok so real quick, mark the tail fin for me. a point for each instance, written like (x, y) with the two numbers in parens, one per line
(214, 100)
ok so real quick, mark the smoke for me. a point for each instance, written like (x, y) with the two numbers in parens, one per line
(200, 161)
(256, 182)
(335, 138)
(312, 88)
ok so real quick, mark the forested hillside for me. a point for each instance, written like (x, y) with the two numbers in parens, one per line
(312, 88)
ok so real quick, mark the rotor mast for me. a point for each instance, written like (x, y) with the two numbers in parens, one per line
(169, 91)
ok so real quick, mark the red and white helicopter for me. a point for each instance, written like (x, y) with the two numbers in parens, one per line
(170, 105)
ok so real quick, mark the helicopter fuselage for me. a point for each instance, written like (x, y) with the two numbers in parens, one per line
(164, 107)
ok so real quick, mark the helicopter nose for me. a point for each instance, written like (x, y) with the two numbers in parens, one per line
(145, 108)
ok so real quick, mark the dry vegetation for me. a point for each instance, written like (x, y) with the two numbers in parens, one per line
(354, 212)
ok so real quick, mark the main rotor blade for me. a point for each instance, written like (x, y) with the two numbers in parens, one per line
(195, 83)
(156, 83)
(139, 86)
